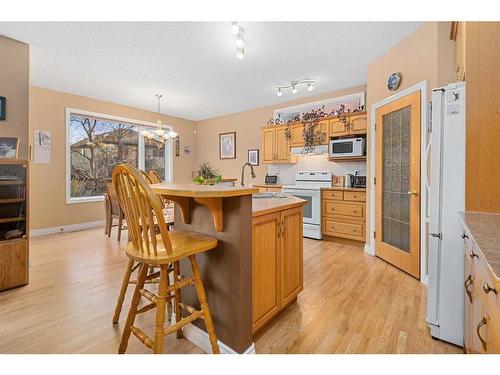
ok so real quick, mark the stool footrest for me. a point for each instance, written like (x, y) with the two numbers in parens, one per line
(148, 307)
(181, 284)
(190, 309)
(154, 281)
(142, 336)
(183, 322)
(148, 295)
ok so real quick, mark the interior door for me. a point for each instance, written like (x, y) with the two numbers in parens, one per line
(398, 183)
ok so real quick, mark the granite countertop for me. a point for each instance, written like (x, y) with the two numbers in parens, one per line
(485, 229)
(202, 191)
(343, 188)
(264, 206)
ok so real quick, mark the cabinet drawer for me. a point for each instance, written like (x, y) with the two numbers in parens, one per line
(486, 284)
(334, 228)
(333, 194)
(349, 210)
(359, 196)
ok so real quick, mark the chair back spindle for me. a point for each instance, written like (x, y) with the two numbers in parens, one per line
(143, 210)
(154, 176)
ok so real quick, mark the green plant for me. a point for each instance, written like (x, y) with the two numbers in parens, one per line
(206, 175)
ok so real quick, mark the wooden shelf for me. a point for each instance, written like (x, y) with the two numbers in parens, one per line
(12, 219)
(349, 158)
(12, 200)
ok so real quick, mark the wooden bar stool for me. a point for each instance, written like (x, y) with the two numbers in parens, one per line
(143, 212)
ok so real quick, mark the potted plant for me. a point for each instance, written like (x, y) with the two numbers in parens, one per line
(206, 175)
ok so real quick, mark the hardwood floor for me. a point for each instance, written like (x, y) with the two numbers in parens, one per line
(351, 303)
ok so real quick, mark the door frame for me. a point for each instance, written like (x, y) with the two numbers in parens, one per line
(370, 246)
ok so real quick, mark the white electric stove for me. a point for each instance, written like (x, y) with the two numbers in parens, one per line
(308, 186)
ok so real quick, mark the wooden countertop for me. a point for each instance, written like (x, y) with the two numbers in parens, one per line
(344, 188)
(265, 206)
(202, 191)
(485, 229)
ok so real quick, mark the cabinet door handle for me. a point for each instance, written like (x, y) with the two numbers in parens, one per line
(464, 236)
(487, 289)
(283, 228)
(484, 321)
(467, 283)
(472, 254)
(278, 229)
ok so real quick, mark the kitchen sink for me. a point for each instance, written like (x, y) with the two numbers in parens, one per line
(269, 195)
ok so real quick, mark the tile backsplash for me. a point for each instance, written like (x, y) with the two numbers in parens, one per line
(286, 172)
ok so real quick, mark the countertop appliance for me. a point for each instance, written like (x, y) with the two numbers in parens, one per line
(358, 181)
(271, 179)
(344, 147)
(308, 186)
(446, 198)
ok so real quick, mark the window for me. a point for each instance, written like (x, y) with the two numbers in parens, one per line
(96, 143)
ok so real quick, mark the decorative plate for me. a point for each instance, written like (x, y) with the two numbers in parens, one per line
(394, 81)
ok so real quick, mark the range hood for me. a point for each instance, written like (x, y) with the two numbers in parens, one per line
(318, 150)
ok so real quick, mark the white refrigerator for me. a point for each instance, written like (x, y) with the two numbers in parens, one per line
(446, 198)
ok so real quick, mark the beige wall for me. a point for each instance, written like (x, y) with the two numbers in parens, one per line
(48, 184)
(247, 127)
(427, 54)
(14, 85)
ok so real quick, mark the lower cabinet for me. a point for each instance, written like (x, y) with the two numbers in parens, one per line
(481, 303)
(277, 263)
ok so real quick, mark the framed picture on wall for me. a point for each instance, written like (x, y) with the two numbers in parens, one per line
(227, 145)
(9, 147)
(3, 108)
(253, 157)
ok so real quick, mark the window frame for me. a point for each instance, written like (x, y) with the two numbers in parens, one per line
(169, 164)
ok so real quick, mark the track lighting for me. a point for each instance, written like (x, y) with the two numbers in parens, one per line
(240, 53)
(293, 85)
(239, 41)
(235, 29)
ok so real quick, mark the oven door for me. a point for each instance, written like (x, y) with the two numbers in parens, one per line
(312, 210)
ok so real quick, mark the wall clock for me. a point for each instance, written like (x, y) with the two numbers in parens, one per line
(394, 81)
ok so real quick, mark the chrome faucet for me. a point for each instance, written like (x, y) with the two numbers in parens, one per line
(243, 173)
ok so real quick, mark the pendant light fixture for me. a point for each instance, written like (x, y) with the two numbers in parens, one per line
(161, 133)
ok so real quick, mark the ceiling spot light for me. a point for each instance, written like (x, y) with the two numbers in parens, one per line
(279, 93)
(294, 88)
(240, 53)
(310, 86)
(235, 29)
(239, 41)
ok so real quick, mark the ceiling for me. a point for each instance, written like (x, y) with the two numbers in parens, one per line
(193, 64)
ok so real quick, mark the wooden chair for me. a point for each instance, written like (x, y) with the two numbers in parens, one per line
(113, 211)
(143, 209)
(145, 176)
(154, 176)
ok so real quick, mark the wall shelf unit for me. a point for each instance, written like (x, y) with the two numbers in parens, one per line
(348, 158)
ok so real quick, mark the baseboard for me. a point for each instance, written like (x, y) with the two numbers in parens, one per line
(66, 228)
(369, 249)
(200, 338)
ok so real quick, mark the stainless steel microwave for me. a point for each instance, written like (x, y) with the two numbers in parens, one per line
(347, 147)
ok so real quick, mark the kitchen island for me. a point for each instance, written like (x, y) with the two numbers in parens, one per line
(226, 213)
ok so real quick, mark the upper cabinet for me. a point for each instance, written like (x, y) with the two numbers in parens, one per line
(275, 145)
(297, 133)
(357, 124)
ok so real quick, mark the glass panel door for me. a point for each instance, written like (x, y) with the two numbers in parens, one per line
(398, 183)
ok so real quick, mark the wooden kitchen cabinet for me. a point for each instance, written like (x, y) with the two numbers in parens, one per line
(277, 263)
(297, 133)
(275, 145)
(357, 124)
(343, 213)
(481, 301)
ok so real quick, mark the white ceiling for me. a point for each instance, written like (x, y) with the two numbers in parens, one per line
(193, 64)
